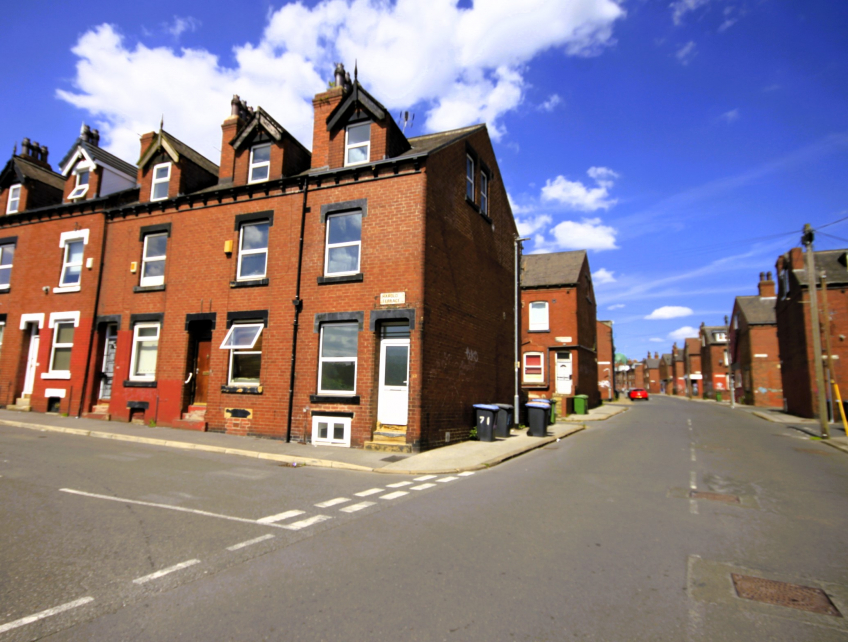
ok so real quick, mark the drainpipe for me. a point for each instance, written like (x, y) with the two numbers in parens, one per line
(298, 306)
(516, 401)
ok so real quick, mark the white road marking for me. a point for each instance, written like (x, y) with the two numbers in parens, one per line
(692, 452)
(370, 491)
(446, 479)
(249, 542)
(422, 487)
(689, 422)
(693, 480)
(399, 484)
(296, 526)
(693, 507)
(467, 473)
(425, 477)
(332, 502)
(165, 571)
(29, 619)
(166, 506)
(355, 507)
(394, 495)
(279, 517)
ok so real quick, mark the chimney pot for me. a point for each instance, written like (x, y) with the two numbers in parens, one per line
(762, 276)
(339, 75)
(44, 153)
(768, 276)
(95, 137)
(25, 147)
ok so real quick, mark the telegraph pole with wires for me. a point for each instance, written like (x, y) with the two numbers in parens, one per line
(812, 288)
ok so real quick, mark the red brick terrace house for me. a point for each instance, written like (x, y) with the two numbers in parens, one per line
(666, 373)
(794, 327)
(715, 358)
(677, 371)
(754, 354)
(559, 332)
(694, 377)
(606, 365)
(652, 377)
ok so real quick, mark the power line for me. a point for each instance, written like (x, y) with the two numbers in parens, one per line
(832, 236)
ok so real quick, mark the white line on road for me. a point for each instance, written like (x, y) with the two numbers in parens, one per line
(693, 507)
(394, 495)
(355, 507)
(467, 473)
(693, 480)
(271, 519)
(249, 542)
(446, 479)
(692, 452)
(370, 491)
(29, 619)
(422, 487)
(296, 526)
(425, 477)
(689, 422)
(165, 571)
(399, 484)
(332, 502)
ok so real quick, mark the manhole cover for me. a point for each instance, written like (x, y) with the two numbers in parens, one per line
(715, 497)
(812, 451)
(393, 458)
(794, 596)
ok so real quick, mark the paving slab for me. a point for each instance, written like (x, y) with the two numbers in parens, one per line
(601, 413)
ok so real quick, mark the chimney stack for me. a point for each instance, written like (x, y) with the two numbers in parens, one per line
(656, 355)
(766, 286)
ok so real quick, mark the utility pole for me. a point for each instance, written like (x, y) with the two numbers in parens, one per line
(831, 379)
(516, 401)
(807, 240)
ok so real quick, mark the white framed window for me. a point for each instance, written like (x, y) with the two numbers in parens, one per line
(344, 243)
(720, 336)
(337, 362)
(484, 193)
(539, 316)
(14, 201)
(145, 349)
(7, 256)
(253, 251)
(357, 144)
(244, 341)
(161, 178)
(534, 367)
(60, 352)
(260, 163)
(469, 177)
(82, 178)
(331, 431)
(726, 357)
(153, 259)
(2, 332)
(72, 264)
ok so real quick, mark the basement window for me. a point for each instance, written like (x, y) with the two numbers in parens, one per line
(161, 178)
(331, 431)
(14, 199)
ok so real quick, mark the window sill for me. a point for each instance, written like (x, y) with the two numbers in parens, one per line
(67, 288)
(347, 278)
(5, 289)
(62, 374)
(534, 386)
(149, 288)
(242, 390)
(486, 217)
(548, 330)
(129, 383)
(351, 400)
(474, 205)
(254, 283)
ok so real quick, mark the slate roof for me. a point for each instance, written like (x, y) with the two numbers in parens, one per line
(558, 268)
(184, 150)
(666, 357)
(710, 330)
(101, 155)
(833, 262)
(653, 363)
(24, 168)
(757, 311)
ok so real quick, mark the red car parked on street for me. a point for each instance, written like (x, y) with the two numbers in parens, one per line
(638, 393)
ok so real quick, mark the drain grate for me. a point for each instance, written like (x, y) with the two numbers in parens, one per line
(393, 458)
(795, 596)
(714, 497)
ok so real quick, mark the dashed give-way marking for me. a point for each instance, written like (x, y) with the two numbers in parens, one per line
(43, 614)
(280, 517)
(425, 477)
(355, 507)
(370, 491)
(446, 479)
(332, 502)
(399, 484)
(296, 526)
(394, 495)
(422, 487)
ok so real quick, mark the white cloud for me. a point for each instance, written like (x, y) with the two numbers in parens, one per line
(680, 8)
(656, 340)
(516, 208)
(686, 53)
(575, 195)
(686, 332)
(550, 104)
(617, 306)
(589, 234)
(670, 312)
(730, 116)
(603, 276)
(180, 25)
(458, 65)
(531, 225)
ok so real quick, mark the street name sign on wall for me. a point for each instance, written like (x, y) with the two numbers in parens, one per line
(392, 298)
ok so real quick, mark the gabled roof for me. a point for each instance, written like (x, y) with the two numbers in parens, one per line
(358, 99)
(693, 344)
(175, 149)
(709, 331)
(652, 363)
(666, 357)
(98, 155)
(558, 268)
(757, 310)
(23, 169)
(834, 263)
(261, 119)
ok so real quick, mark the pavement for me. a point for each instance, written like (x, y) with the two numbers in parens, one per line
(459, 457)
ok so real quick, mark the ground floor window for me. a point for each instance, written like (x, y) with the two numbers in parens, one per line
(534, 370)
(144, 352)
(244, 341)
(331, 431)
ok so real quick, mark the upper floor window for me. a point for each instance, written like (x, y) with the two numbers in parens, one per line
(145, 349)
(539, 316)
(358, 144)
(253, 251)
(72, 263)
(14, 202)
(469, 177)
(153, 259)
(244, 341)
(161, 178)
(484, 193)
(7, 255)
(534, 367)
(81, 188)
(337, 364)
(726, 358)
(344, 242)
(720, 336)
(260, 163)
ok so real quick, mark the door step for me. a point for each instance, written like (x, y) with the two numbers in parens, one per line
(22, 404)
(191, 424)
(387, 447)
(389, 439)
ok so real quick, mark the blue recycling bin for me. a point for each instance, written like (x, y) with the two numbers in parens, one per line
(537, 418)
(504, 419)
(485, 421)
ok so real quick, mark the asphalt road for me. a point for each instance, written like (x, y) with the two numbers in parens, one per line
(592, 538)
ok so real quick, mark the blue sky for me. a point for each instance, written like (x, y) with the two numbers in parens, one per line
(683, 142)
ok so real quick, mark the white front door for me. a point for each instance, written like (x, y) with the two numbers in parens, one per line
(32, 359)
(393, 395)
(563, 373)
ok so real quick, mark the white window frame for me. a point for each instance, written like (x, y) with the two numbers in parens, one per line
(469, 177)
(159, 181)
(243, 252)
(55, 345)
(322, 360)
(150, 281)
(484, 193)
(720, 336)
(537, 325)
(2, 332)
(81, 189)
(329, 246)
(330, 420)
(243, 348)
(136, 340)
(366, 144)
(7, 267)
(540, 378)
(54, 319)
(66, 263)
(14, 197)
(254, 166)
